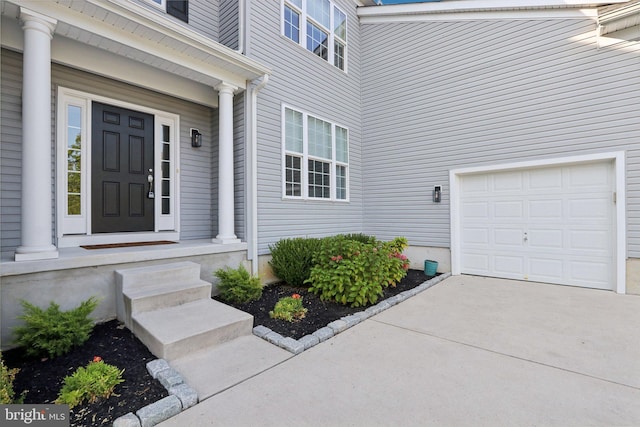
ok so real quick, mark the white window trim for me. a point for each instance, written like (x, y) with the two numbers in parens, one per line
(162, 5)
(76, 230)
(302, 42)
(306, 157)
(619, 159)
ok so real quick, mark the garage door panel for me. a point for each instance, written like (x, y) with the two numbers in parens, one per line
(589, 274)
(540, 239)
(475, 210)
(554, 225)
(477, 184)
(476, 263)
(593, 209)
(591, 240)
(476, 236)
(509, 209)
(546, 269)
(590, 176)
(545, 209)
(508, 181)
(545, 179)
(508, 264)
(506, 238)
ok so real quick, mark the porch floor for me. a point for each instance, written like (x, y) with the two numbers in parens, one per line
(77, 257)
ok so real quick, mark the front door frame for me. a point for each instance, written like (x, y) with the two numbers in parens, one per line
(618, 158)
(75, 230)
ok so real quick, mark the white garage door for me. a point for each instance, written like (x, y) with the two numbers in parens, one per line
(553, 225)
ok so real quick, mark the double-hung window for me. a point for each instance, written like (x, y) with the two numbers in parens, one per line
(316, 157)
(319, 26)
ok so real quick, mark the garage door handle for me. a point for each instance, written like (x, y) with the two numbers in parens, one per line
(526, 238)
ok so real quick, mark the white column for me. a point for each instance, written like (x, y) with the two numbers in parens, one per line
(226, 216)
(36, 228)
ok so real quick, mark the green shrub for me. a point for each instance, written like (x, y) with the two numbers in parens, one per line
(52, 332)
(238, 286)
(292, 259)
(355, 273)
(289, 309)
(7, 376)
(97, 380)
(362, 238)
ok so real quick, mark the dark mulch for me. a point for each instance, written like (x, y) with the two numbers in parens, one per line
(116, 345)
(320, 313)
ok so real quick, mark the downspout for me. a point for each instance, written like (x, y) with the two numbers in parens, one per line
(241, 25)
(255, 86)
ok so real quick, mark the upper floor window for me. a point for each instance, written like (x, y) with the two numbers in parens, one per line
(318, 25)
(177, 8)
(316, 157)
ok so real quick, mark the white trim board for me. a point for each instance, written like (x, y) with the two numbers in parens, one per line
(618, 157)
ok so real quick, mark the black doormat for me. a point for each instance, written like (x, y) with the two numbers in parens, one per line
(126, 245)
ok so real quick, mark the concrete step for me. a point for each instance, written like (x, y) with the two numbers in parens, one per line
(151, 288)
(172, 332)
(213, 370)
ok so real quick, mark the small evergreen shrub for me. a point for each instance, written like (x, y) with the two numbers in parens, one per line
(289, 309)
(97, 380)
(292, 259)
(237, 285)
(7, 376)
(52, 332)
(355, 273)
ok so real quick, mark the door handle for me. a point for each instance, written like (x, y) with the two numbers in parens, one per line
(150, 194)
(526, 237)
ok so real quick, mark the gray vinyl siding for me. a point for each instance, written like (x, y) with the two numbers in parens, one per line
(198, 193)
(203, 16)
(229, 23)
(444, 95)
(303, 81)
(239, 159)
(10, 151)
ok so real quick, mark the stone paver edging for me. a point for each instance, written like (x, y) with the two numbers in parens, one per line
(340, 325)
(181, 397)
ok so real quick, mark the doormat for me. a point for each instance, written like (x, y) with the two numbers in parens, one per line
(126, 245)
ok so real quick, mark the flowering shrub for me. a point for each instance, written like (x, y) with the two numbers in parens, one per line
(354, 272)
(98, 379)
(289, 309)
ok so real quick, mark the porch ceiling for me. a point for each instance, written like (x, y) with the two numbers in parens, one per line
(135, 34)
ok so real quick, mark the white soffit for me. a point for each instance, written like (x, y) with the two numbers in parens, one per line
(483, 10)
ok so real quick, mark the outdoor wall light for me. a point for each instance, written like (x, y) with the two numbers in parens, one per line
(196, 138)
(437, 194)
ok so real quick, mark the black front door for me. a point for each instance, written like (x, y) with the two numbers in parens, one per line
(121, 164)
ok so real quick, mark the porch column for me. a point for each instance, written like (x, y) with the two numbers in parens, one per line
(226, 216)
(36, 229)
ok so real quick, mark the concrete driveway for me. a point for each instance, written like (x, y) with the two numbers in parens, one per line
(469, 351)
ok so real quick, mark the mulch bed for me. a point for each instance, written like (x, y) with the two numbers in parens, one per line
(320, 313)
(116, 345)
